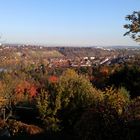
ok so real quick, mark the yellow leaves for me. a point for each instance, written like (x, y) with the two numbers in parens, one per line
(116, 99)
(70, 73)
(3, 101)
(77, 90)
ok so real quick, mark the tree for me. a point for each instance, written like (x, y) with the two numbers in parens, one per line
(77, 94)
(128, 77)
(76, 90)
(8, 84)
(48, 104)
(134, 26)
(106, 121)
(116, 100)
(25, 91)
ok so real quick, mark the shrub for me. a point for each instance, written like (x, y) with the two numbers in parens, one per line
(117, 99)
(133, 110)
(128, 77)
(18, 128)
(51, 124)
(98, 125)
(105, 121)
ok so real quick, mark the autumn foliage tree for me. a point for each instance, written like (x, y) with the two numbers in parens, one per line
(65, 99)
(25, 91)
(116, 99)
(48, 103)
(105, 121)
(77, 94)
(7, 86)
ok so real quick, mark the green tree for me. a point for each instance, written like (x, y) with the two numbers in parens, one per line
(48, 104)
(134, 26)
(105, 121)
(128, 77)
(77, 94)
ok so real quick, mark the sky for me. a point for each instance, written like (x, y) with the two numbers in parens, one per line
(66, 22)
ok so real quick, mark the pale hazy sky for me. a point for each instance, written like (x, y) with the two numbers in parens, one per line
(66, 22)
